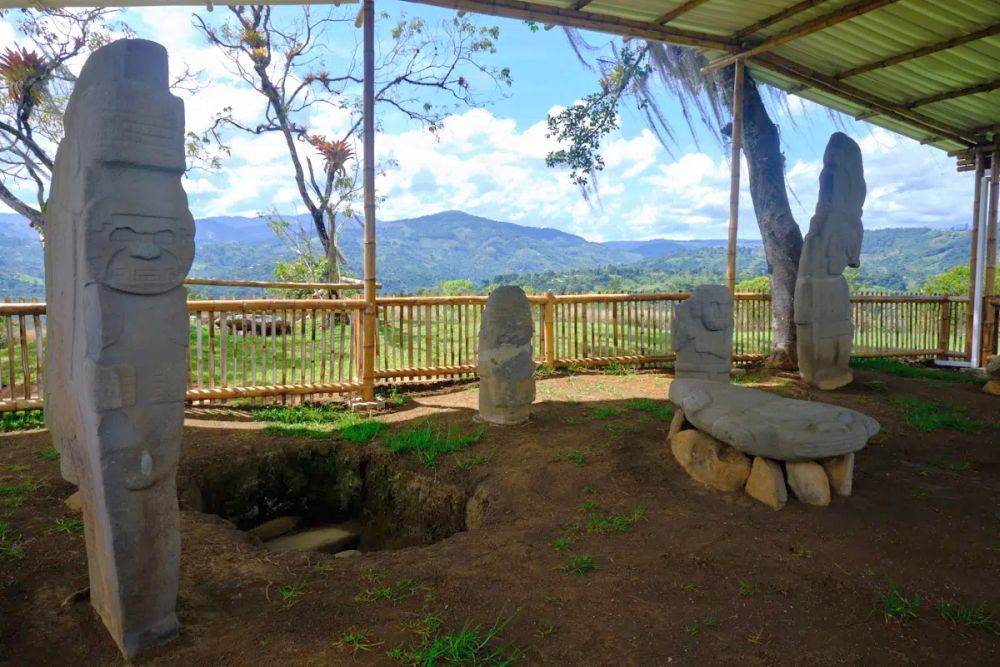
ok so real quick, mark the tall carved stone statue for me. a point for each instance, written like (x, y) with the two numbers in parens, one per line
(822, 297)
(702, 334)
(506, 369)
(119, 241)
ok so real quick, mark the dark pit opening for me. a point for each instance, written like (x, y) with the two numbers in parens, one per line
(381, 506)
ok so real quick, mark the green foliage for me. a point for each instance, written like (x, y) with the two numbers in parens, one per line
(896, 606)
(68, 526)
(10, 548)
(319, 421)
(472, 646)
(895, 367)
(979, 617)
(954, 282)
(925, 415)
(583, 126)
(579, 565)
(402, 589)
(758, 285)
(428, 441)
(577, 458)
(613, 523)
(607, 412)
(291, 593)
(456, 287)
(49, 454)
(662, 411)
(21, 421)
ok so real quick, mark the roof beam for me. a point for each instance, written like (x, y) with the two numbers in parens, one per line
(845, 13)
(942, 96)
(797, 8)
(572, 18)
(912, 55)
(885, 108)
(684, 8)
(580, 4)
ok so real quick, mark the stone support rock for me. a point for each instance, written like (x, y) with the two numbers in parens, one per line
(767, 483)
(808, 482)
(840, 473)
(709, 461)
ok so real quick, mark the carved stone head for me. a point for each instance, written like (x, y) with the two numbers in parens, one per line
(713, 305)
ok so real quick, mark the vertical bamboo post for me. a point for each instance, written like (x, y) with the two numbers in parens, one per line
(368, 378)
(734, 177)
(974, 252)
(944, 328)
(990, 283)
(550, 329)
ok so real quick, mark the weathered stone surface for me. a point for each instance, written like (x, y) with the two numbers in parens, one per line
(822, 297)
(709, 461)
(275, 528)
(993, 367)
(328, 540)
(350, 553)
(506, 369)
(762, 424)
(74, 502)
(119, 240)
(702, 334)
(992, 388)
(808, 482)
(840, 473)
(767, 483)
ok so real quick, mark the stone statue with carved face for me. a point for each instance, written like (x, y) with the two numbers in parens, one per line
(119, 242)
(822, 296)
(702, 334)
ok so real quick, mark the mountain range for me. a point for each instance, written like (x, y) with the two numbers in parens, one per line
(418, 253)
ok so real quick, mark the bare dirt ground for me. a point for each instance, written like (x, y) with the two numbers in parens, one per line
(700, 578)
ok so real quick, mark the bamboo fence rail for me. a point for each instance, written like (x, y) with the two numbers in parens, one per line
(299, 349)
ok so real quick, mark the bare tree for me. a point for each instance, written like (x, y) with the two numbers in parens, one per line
(287, 60)
(643, 73)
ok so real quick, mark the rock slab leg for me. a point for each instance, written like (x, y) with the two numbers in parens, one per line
(710, 461)
(840, 473)
(767, 483)
(809, 483)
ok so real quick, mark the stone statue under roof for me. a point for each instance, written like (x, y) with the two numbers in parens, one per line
(822, 297)
(119, 242)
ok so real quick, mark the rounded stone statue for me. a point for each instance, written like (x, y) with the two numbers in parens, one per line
(702, 334)
(506, 369)
(822, 297)
(119, 242)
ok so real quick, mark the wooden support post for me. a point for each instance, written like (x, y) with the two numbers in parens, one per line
(974, 255)
(734, 176)
(550, 329)
(371, 309)
(944, 328)
(989, 346)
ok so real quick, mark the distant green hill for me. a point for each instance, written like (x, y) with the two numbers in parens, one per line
(891, 260)
(419, 253)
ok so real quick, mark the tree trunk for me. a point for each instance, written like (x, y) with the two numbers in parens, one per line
(781, 235)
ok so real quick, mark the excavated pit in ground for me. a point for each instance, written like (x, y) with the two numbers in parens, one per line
(389, 508)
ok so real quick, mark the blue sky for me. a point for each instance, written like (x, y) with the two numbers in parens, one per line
(489, 161)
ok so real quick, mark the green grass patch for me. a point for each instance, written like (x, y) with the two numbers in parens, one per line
(659, 410)
(894, 605)
(21, 421)
(9, 546)
(69, 526)
(579, 565)
(974, 617)
(613, 523)
(49, 454)
(615, 368)
(895, 367)
(473, 460)
(472, 646)
(427, 441)
(291, 593)
(396, 592)
(319, 421)
(562, 543)
(607, 412)
(544, 371)
(756, 377)
(925, 415)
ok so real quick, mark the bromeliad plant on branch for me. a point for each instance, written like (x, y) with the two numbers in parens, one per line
(311, 90)
(643, 73)
(36, 79)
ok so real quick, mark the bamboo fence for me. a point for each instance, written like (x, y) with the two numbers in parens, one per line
(300, 349)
